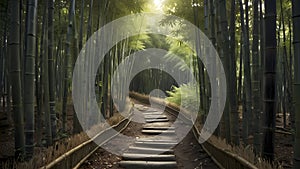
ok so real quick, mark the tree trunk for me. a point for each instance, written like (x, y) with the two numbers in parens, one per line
(15, 76)
(67, 64)
(46, 87)
(89, 26)
(81, 25)
(234, 116)
(76, 124)
(291, 91)
(198, 66)
(39, 82)
(225, 57)
(212, 37)
(29, 75)
(296, 25)
(240, 80)
(269, 89)
(256, 81)
(247, 75)
(51, 67)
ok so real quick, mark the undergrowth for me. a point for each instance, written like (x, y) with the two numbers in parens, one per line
(185, 96)
(44, 156)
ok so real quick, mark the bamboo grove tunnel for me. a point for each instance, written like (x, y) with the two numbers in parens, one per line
(150, 84)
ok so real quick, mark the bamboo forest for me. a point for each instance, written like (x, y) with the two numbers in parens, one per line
(150, 84)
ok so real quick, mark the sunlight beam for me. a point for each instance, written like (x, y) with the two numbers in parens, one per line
(158, 4)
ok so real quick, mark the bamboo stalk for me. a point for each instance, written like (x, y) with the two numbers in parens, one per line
(269, 89)
(296, 24)
(15, 76)
(29, 75)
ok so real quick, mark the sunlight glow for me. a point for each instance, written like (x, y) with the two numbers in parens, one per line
(158, 4)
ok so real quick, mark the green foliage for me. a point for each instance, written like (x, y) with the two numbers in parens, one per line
(184, 9)
(157, 41)
(181, 50)
(184, 96)
(138, 42)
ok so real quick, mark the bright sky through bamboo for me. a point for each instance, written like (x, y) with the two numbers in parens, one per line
(158, 4)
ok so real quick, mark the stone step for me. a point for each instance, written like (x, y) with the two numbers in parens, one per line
(153, 113)
(158, 124)
(156, 141)
(148, 164)
(152, 110)
(158, 131)
(148, 157)
(155, 144)
(156, 117)
(156, 120)
(158, 128)
(145, 150)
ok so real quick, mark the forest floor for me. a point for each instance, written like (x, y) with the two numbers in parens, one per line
(284, 151)
(103, 159)
(283, 145)
(7, 133)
